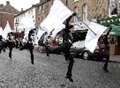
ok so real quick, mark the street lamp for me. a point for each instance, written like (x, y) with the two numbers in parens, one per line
(16, 25)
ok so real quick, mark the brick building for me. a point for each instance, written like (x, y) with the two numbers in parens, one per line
(7, 13)
(43, 9)
(38, 12)
(95, 8)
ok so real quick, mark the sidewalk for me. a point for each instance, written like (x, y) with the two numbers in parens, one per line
(115, 58)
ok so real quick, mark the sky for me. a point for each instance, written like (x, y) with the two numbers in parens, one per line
(18, 4)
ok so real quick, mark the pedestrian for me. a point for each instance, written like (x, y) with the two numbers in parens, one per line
(10, 43)
(107, 53)
(45, 43)
(30, 45)
(67, 43)
(1, 43)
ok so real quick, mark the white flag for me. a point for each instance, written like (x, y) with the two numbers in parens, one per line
(28, 22)
(7, 30)
(57, 15)
(78, 24)
(92, 38)
(58, 29)
(1, 31)
(39, 34)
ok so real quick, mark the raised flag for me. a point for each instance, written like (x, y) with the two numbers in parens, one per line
(93, 35)
(1, 31)
(7, 30)
(57, 15)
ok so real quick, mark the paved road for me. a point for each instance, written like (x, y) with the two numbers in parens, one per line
(49, 72)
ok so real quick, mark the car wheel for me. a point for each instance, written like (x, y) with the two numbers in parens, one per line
(85, 55)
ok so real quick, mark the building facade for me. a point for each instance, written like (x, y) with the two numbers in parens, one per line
(37, 13)
(95, 8)
(22, 20)
(7, 13)
(90, 9)
(42, 10)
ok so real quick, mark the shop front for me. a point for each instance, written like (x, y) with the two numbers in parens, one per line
(115, 40)
(114, 36)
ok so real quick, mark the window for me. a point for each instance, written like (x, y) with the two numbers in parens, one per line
(113, 7)
(38, 18)
(76, 0)
(32, 16)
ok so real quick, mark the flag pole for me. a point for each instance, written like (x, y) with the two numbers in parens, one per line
(85, 25)
(85, 15)
(90, 29)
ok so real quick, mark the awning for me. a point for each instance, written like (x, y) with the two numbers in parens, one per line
(115, 30)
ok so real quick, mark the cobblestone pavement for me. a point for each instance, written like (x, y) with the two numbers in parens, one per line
(49, 72)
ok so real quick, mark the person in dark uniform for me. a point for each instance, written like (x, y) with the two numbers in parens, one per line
(11, 44)
(45, 42)
(67, 43)
(29, 45)
(1, 43)
(107, 48)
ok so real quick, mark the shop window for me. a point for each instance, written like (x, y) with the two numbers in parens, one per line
(118, 40)
(76, 0)
(113, 7)
(32, 16)
(38, 18)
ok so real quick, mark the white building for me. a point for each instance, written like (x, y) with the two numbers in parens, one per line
(25, 19)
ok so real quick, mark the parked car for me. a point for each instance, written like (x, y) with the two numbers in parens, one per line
(78, 50)
(54, 47)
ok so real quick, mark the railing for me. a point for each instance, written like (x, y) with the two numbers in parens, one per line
(109, 20)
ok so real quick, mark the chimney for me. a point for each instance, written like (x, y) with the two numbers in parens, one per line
(21, 9)
(1, 5)
(7, 3)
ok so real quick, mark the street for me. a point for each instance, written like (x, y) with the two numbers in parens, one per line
(49, 72)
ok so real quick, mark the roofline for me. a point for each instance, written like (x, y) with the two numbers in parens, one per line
(33, 6)
(24, 11)
(8, 13)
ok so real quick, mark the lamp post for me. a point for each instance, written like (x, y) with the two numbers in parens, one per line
(66, 2)
(16, 25)
(85, 10)
(1, 19)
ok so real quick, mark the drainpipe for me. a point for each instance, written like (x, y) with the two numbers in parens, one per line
(85, 10)
(66, 2)
(109, 14)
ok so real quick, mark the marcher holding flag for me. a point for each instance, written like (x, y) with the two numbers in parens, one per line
(92, 39)
(58, 14)
(106, 42)
(67, 43)
(29, 45)
(10, 43)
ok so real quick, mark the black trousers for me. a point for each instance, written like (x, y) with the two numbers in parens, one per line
(69, 58)
(11, 45)
(70, 66)
(107, 56)
(106, 62)
(10, 52)
(30, 47)
(32, 56)
(46, 49)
